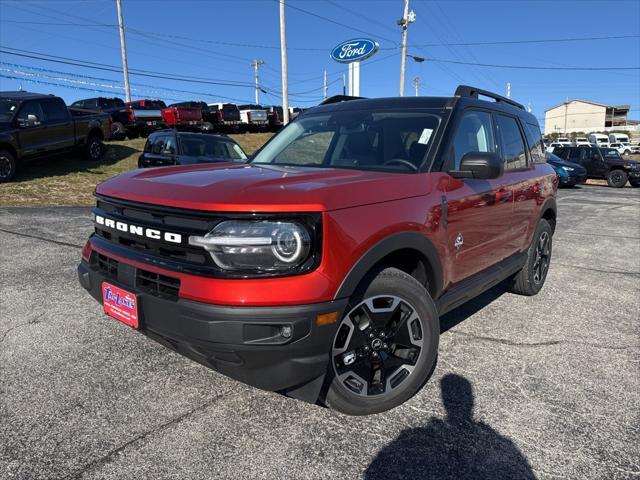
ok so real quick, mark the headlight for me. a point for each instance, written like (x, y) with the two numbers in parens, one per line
(257, 246)
(568, 169)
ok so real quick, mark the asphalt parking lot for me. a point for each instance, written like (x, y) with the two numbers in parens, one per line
(544, 387)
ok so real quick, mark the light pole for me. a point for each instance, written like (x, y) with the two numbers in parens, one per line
(123, 51)
(416, 85)
(407, 18)
(283, 56)
(256, 64)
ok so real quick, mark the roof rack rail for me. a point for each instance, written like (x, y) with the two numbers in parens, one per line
(473, 92)
(338, 99)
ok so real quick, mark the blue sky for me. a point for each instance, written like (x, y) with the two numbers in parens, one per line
(190, 37)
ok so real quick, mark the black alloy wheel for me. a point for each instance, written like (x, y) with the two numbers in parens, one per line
(542, 259)
(377, 345)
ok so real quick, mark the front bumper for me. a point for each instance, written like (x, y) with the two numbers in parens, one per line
(572, 179)
(244, 343)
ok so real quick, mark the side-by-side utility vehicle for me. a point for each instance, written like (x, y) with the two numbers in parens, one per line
(320, 268)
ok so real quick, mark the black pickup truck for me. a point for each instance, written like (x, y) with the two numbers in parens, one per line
(33, 125)
(123, 122)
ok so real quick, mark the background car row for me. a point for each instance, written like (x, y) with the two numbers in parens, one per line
(619, 141)
(141, 117)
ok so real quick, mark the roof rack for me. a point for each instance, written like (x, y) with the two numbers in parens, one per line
(473, 92)
(338, 99)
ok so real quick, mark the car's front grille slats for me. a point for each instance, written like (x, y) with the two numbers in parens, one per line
(145, 281)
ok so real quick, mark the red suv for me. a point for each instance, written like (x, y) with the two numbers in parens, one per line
(320, 269)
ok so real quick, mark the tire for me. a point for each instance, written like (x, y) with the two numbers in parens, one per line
(207, 127)
(8, 166)
(391, 295)
(617, 178)
(627, 152)
(132, 134)
(530, 280)
(94, 148)
(118, 132)
(635, 184)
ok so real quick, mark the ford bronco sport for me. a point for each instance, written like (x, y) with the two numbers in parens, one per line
(320, 268)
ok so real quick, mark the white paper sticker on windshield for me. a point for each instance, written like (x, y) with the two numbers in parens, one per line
(425, 136)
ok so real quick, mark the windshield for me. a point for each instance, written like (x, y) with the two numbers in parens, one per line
(111, 103)
(207, 146)
(7, 108)
(610, 153)
(364, 140)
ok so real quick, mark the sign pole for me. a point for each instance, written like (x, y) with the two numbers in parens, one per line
(283, 57)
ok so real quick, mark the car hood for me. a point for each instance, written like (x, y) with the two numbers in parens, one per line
(266, 188)
(559, 162)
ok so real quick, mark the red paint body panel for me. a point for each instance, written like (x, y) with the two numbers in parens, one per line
(181, 116)
(359, 209)
(247, 188)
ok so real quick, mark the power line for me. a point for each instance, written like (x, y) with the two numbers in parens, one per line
(530, 67)
(519, 42)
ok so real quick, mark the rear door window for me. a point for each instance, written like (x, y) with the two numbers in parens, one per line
(534, 138)
(55, 110)
(513, 149)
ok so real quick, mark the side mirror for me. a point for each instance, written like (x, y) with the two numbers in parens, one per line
(31, 121)
(481, 165)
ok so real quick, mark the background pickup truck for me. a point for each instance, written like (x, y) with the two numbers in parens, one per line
(147, 116)
(227, 117)
(33, 125)
(122, 119)
(254, 118)
(183, 118)
(209, 118)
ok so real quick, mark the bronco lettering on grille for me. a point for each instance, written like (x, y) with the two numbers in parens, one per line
(138, 230)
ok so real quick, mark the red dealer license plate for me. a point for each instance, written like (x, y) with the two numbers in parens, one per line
(120, 304)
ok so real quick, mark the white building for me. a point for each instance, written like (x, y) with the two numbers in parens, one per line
(586, 116)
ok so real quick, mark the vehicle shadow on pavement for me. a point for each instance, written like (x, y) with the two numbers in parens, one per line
(464, 311)
(71, 162)
(456, 447)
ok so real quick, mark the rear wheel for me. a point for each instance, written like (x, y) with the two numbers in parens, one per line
(617, 178)
(385, 347)
(530, 279)
(8, 166)
(94, 148)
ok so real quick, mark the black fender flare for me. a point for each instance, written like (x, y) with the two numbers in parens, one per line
(398, 241)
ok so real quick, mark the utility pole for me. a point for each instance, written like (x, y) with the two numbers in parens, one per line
(416, 85)
(123, 49)
(508, 89)
(256, 64)
(283, 57)
(325, 87)
(407, 18)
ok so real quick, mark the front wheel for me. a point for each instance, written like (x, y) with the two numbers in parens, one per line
(617, 178)
(530, 279)
(8, 166)
(385, 347)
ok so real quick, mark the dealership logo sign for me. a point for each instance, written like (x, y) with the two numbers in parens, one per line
(354, 50)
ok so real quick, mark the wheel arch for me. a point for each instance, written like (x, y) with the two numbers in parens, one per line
(549, 212)
(410, 252)
(11, 149)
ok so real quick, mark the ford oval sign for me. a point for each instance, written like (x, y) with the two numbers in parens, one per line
(354, 50)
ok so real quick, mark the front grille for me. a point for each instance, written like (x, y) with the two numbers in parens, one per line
(107, 266)
(145, 281)
(171, 255)
(184, 256)
(157, 284)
